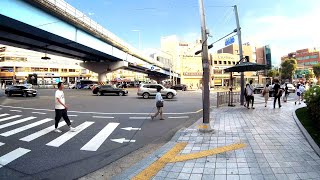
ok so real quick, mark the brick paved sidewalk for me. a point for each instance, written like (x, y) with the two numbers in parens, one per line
(276, 148)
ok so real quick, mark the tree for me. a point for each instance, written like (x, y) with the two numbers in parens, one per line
(316, 71)
(309, 75)
(288, 68)
(273, 73)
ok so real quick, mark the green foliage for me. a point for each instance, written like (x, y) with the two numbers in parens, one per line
(316, 70)
(273, 73)
(288, 67)
(312, 97)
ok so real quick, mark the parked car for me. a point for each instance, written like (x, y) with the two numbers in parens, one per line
(20, 90)
(90, 86)
(72, 86)
(182, 87)
(147, 90)
(101, 90)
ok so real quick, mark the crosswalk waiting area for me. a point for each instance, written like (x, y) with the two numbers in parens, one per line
(8, 120)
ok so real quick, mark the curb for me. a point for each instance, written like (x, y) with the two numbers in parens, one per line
(313, 144)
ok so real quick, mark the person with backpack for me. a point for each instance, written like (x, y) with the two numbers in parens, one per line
(159, 105)
(298, 93)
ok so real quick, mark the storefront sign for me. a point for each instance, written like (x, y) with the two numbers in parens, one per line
(192, 73)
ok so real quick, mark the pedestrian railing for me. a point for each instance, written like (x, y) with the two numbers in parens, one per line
(229, 98)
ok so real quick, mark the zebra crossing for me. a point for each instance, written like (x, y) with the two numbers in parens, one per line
(9, 123)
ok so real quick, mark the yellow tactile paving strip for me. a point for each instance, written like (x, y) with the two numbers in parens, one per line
(155, 167)
(205, 153)
(171, 157)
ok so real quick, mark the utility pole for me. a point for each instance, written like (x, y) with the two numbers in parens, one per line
(206, 74)
(241, 53)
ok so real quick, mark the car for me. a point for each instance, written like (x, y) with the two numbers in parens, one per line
(147, 90)
(90, 86)
(182, 87)
(102, 90)
(72, 86)
(20, 90)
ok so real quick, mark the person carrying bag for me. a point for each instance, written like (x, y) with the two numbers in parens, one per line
(159, 105)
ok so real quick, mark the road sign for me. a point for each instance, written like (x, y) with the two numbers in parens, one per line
(229, 41)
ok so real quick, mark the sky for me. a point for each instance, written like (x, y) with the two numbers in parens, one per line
(285, 25)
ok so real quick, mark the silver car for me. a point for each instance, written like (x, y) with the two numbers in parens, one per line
(147, 90)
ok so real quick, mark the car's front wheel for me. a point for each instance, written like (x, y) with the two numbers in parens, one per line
(120, 93)
(99, 93)
(9, 94)
(25, 94)
(169, 95)
(145, 95)
(34, 95)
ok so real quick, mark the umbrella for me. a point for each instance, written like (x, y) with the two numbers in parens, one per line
(246, 66)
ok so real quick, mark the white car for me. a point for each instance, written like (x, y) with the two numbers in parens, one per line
(147, 90)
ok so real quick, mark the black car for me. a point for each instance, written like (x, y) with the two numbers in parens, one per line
(182, 87)
(101, 90)
(20, 90)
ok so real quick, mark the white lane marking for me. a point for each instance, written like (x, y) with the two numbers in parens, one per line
(41, 132)
(103, 117)
(4, 115)
(13, 155)
(26, 127)
(38, 113)
(101, 113)
(178, 117)
(139, 117)
(131, 129)
(13, 110)
(16, 122)
(1, 143)
(72, 115)
(122, 140)
(68, 135)
(99, 138)
(10, 117)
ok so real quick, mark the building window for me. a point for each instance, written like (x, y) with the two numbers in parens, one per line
(229, 62)
(215, 62)
(72, 70)
(220, 62)
(224, 62)
(54, 70)
(234, 62)
(64, 70)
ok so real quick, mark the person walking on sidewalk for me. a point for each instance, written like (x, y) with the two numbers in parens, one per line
(250, 97)
(298, 93)
(265, 94)
(286, 93)
(61, 109)
(277, 93)
(159, 105)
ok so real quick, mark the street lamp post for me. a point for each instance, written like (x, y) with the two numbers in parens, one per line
(136, 30)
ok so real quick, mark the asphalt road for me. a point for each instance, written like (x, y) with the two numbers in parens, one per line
(31, 150)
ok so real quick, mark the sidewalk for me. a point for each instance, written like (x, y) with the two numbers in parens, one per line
(275, 148)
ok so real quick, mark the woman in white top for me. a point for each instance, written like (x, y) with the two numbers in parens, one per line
(265, 94)
(159, 105)
(298, 93)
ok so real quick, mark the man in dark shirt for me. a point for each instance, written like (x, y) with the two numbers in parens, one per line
(277, 93)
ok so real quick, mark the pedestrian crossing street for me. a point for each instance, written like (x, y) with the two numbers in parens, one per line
(7, 121)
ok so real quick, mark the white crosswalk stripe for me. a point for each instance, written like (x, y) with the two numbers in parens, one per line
(1, 143)
(23, 128)
(4, 115)
(13, 155)
(41, 132)
(68, 135)
(16, 122)
(99, 138)
(10, 117)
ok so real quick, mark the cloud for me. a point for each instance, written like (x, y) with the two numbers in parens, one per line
(284, 33)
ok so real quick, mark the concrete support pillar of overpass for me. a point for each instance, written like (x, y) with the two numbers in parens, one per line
(104, 67)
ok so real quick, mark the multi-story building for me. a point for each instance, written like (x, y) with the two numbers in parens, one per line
(17, 64)
(306, 58)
